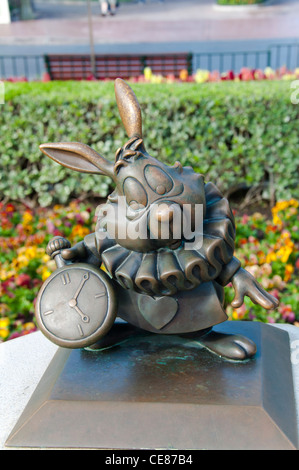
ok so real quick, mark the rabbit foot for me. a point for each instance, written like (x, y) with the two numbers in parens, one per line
(228, 346)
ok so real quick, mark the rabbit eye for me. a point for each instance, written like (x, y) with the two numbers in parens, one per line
(158, 179)
(135, 193)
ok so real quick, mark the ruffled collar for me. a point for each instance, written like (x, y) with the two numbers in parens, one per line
(166, 271)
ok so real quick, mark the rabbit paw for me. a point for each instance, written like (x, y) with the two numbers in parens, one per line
(57, 244)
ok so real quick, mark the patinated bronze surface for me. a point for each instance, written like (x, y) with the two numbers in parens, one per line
(162, 284)
(146, 391)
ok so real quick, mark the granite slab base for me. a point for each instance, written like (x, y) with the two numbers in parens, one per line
(165, 392)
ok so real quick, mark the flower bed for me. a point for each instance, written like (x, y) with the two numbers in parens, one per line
(240, 2)
(269, 249)
(200, 76)
(203, 76)
(24, 264)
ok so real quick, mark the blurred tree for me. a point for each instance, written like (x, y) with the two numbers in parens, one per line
(27, 10)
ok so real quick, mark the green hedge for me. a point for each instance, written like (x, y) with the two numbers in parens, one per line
(234, 133)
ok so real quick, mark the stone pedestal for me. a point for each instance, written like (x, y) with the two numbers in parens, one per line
(165, 392)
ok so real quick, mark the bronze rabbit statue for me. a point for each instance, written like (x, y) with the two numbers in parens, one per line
(162, 284)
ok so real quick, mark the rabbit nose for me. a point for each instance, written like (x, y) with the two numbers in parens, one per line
(162, 220)
(164, 213)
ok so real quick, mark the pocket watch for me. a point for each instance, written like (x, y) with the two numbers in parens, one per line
(76, 305)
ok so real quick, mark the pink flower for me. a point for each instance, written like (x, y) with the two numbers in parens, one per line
(253, 259)
(50, 226)
(171, 77)
(275, 293)
(23, 280)
(79, 219)
(46, 77)
(246, 74)
(259, 74)
(286, 312)
(215, 76)
(251, 239)
(291, 317)
(245, 219)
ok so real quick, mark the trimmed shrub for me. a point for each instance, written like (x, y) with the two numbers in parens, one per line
(242, 133)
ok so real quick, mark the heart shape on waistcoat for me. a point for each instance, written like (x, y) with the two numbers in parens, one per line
(158, 311)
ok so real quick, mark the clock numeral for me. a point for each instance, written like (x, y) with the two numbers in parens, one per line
(97, 296)
(65, 278)
(80, 330)
(48, 312)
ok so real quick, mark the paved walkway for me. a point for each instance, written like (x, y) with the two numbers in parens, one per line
(154, 22)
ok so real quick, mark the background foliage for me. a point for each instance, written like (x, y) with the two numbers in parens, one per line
(234, 133)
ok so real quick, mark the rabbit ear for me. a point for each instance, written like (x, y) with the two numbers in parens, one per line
(129, 108)
(78, 157)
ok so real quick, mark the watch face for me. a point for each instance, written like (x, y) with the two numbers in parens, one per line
(76, 305)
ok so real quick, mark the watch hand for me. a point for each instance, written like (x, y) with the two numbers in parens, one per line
(84, 318)
(73, 304)
(84, 279)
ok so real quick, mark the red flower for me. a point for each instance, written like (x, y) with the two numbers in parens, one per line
(246, 74)
(10, 207)
(228, 75)
(91, 78)
(9, 283)
(23, 280)
(46, 77)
